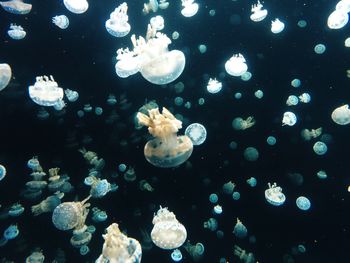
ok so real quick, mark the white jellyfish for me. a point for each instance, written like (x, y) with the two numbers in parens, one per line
(277, 26)
(274, 195)
(152, 5)
(16, 32)
(343, 5)
(197, 133)
(337, 19)
(76, 6)
(167, 232)
(240, 124)
(236, 65)
(305, 98)
(71, 95)
(61, 21)
(117, 25)
(5, 75)
(17, 7)
(289, 118)
(157, 22)
(341, 115)
(45, 91)
(292, 100)
(190, 8)
(214, 86)
(258, 14)
(163, 4)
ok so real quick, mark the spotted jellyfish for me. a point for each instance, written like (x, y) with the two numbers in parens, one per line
(167, 232)
(17, 7)
(190, 8)
(16, 32)
(258, 14)
(214, 86)
(236, 65)
(274, 195)
(5, 75)
(61, 21)
(289, 118)
(197, 133)
(76, 6)
(277, 26)
(341, 115)
(337, 19)
(117, 25)
(303, 203)
(305, 98)
(320, 148)
(157, 22)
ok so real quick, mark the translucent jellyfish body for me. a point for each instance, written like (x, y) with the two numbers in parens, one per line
(117, 25)
(190, 8)
(157, 22)
(118, 247)
(320, 148)
(167, 232)
(343, 5)
(76, 6)
(295, 83)
(36, 257)
(71, 95)
(45, 91)
(10, 233)
(341, 115)
(259, 94)
(243, 255)
(61, 21)
(258, 14)
(320, 49)
(197, 133)
(16, 210)
(211, 224)
(292, 100)
(289, 118)
(176, 255)
(274, 195)
(2, 172)
(16, 32)
(305, 98)
(337, 19)
(303, 203)
(251, 154)
(5, 75)
(17, 7)
(152, 5)
(240, 124)
(240, 230)
(277, 26)
(196, 251)
(214, 86)
(166, 149)
(236, 65)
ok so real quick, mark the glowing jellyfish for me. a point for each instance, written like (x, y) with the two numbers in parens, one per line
(240, 230)
(295, 83)
(47, 205)
(292, 100)
(213, 198)
(217, 209)
(61, 21)
(111, 100)
(152, 5)
(259, 94)
(16, 32)
(252, 181)
(211, 224)
(166, 149)
(5, 75)
(45, 91)
(274, 195)
(320, 49)
(271, 140)
(214, 86)
(190, 8)
(98, 215)
(258, 14)
(337, 19)
(163, 4)
(246, 76)
(302, 23)
(341, 115)
(36, 257)
(243, 255)
(16, 210)
(71, 95)
(10, 233)
(176, 255)
(289, 118)
(240, 124)
(347, 42)
(320, 148)
(236, 196)
(178, 101)
(175, 35)
(197, 133)
(167, 232)
(202, 48)
(59, 105)
(195, 251)
(2, 172)
(98, 111)
(228, 187)
(118, 247)
(17, 7)
(277, 26)
(303, 203)
(305, 98)
(251, 154)
(212, 12)
(236, 65)
(157, 22)
(322, 174)
(76, 6)
(117, 25)
(343, 5)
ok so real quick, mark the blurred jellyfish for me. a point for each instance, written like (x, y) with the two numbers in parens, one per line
(189, 8)
(76, 6)
(17, 7)
(236, 196)
(167, 232)
(145, 186)
(5, 75)
(240, 124)
(157, 22)
(212, 12)
(71, 95)
(246, 76)
(252, 181)
(117, 25)
(211, 224)
(295, 83)
(292, 100)
(61, 21)
(302, 23)
(175, 35)
(243, 255)
(130, 175)
(320, 148)
(2, 172)
(111, 100)
(166, 149)
(163, 4)
(277, 26)
(42, 114)
(59, 105)
(196, 251)
(84, 250)
(347, 42)
(36, 257)
(307, 135)
(259, 94)
(197, 133)
(100, 188)
(341, 115)
(258, 14)
(233, 145)
(16, 32)
(202, 48)
(201, 101)
(98, 111)
(240, 230)
(176, 255)
(320, 49)
(152, 5)
(303, 203)
(274, 195)
(322, 174)
(217, 209)
(98, 215)
(10, 233)
(87, 108)
(228, 187)
(238, 95)
(16, 210)
(213, 198)
(178, 101)
(251, 154)
(271, 140)
(236, 65)
(305, 98)
(337, 19)
(47, 205)
(214, 86)
(289, 118)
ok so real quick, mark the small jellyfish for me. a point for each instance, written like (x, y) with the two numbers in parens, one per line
(98, 111)
(100, 188)
(211, 224)
(217, 209)
(61, 21)
(213, 198)
(5, 75)
(176, 255)
(45, 91)
(197, 133)
(243, 255)
(292, 100)
(259, 94)
(295, 83)
(274, 195)
(87, 108)
(47, 205)
(130, 175)
(302, 23)
(246, 76)
(214, 86)
(320, 49)
(17, 7)
(277, 26)
(251, 154)
(175, 35)
(303, 203)
(16, 32)
(289, 118)
(320, 148)
(236, 196)
(228, 187)
(10, 233)
(307, 135)
(271, 140)
(252, 181)
(36, 257)
(305, 98)
(111, 100)
(322, 174)
(84, 250)
(196, 251)
(117, 25)
(337, 19)
(347, 42)
(202, 48)
(16, 210)
(258, 14)
(98, 215)
(71, 95)
(236, 65)
(240, 124)
(341, 115)
(76, 6)
(122, 167)
(163, 4)
(152, 5)
(145, 186)
(178, 101)
(157, 22)
(212, 12)
(240, 230)
(190, 8)
(2, 172)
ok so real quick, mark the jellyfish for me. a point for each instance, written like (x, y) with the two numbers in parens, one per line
(152, 5)
(243, 255)
(87, 108)
(190, 8)
(236, 65)
(5, 75)
(16, 210)
(42, 114)
(307, 135)
(295, 83)
(10, 233)
(71, 95)
(16, 32)
(277, 26)
(236, 196)
(17, 7)
(252, 181)
(76, 6)
(163, 4)
(341, 115)
(61, 21)
(258, 14)
(337, 19)
(228, 187)
(166, 149)
(305, 98)
(302, 23)
(322, 174)
(98, 215)
(196, 251)
(176, 255)
(214, 86)
(175, 35)
(157, 22)
(289, 118)
(213, 198)
(320, 49)
(2, 172)
(251, 154)
(271, 140)
(274, 195)
(167, 232)
(117, 25)
(240, 124)
(84, 250)
(202, 48)
(145, 186)
(100, 188)
(36, 257)
(197, 133)
(303, 203)
(47, 205)
(118, 247)
(259, 94)
(292, 100)
(80, 237)
(240, 230)
(320, 148)
(211, 224)
(246, 76)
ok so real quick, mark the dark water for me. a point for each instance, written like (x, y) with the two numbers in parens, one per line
(82, 58)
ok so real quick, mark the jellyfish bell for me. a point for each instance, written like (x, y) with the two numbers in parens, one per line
(343, 5)
(190, 8)
(17, 7)
(157, 22)
(16, 32)
(76, 6)
(5, 75)
(128, 63)
(341, 115)
(274, 195)
(61, 21)
(337, 19)
(236, 65)
(277, 26)
(258, 14)
(289, 118)
(117, 25)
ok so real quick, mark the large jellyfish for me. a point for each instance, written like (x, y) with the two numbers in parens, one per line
(236, 65)
(16, 7)
(341, 115)
(5, 75)
(337, 19)
(166, 149)
(76, 6)
(117, 25)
